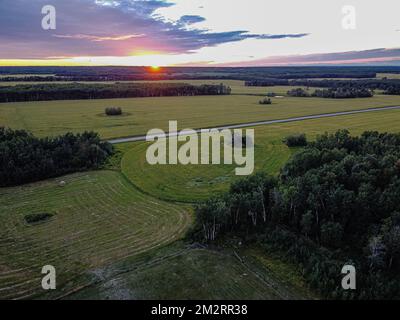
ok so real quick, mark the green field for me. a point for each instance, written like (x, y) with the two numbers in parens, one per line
(99, 218)
(142, 114)
(196, 182)
(109, 241)
(183, 273)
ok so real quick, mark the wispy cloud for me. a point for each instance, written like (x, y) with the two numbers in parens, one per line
(375, 56)
(98, 38)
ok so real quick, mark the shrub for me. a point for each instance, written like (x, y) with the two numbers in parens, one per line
(296, 140)
(265, 101)
(37, 217)
(113, 111)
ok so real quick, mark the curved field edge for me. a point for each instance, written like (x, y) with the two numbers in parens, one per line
(194, 183)
(99, 218)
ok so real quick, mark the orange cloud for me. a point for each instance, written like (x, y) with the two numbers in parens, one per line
(98, 38)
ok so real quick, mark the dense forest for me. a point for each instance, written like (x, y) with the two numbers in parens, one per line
(25, 158)
(334, 203)
(333, 93)
(77, 91)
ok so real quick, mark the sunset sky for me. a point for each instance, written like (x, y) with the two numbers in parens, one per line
(199, 32)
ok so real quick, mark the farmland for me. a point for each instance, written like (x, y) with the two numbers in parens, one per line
(193, 183)
(180, 273)
(141, 114)
(113, 233)
(99, 217)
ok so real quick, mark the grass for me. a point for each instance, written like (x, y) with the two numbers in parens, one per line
(143, 114)
(283, 273)
(99, 218)
(188, 273)
(388, 75)
(109, 241)
(194, 183)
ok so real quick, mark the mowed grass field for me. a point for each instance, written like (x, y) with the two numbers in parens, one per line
(183, 273)
(194, 183)
(99, 218)
(142, 114)
(109, 241)
(191, 183)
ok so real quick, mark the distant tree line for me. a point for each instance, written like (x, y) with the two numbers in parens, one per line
(334, 203)
(25, 158)
(393, 90)
(298, 92)
(74, 91)
(33, 78)
(268, 82)
(388, 86)
(333, 93)
(265, 78)
(186, 73)
(343, 93)
(371, 84)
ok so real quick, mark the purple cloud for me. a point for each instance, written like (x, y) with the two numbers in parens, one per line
(374, 56)
(104, 28)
